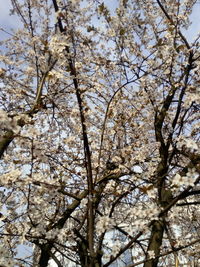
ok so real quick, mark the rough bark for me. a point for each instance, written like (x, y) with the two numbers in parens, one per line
(5, 140)
(155, 242)
(45, 255)
(85, 258)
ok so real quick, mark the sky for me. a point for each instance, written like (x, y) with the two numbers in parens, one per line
(7, 22)
(195, 27)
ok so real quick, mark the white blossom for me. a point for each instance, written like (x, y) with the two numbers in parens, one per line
(104, 223)
(151, 254)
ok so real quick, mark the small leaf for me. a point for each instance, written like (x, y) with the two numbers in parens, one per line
(101, 8)
(125, 3)
(144, 189)
(90, 28)
(122, 31)
(180, 48)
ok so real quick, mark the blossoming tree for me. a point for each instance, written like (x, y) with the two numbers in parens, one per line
(99, 134)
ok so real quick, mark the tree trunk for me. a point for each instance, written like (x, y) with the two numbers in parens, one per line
(85, 259)
(45, 255)
(155, 242)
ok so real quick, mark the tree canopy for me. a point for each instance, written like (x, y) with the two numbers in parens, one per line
(99, 134)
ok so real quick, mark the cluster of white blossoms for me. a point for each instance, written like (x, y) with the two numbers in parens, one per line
(58, 44)
(84, 202)
(104, 224)
(149, 211)
(4, 120)
(52, 234)
(5, 259)
(10, 176)
(7, 123)
(151, 254)
(152, 193)
(141, 215)
(116, 246)
(187, 180)
(192, 97)
(187, 142)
